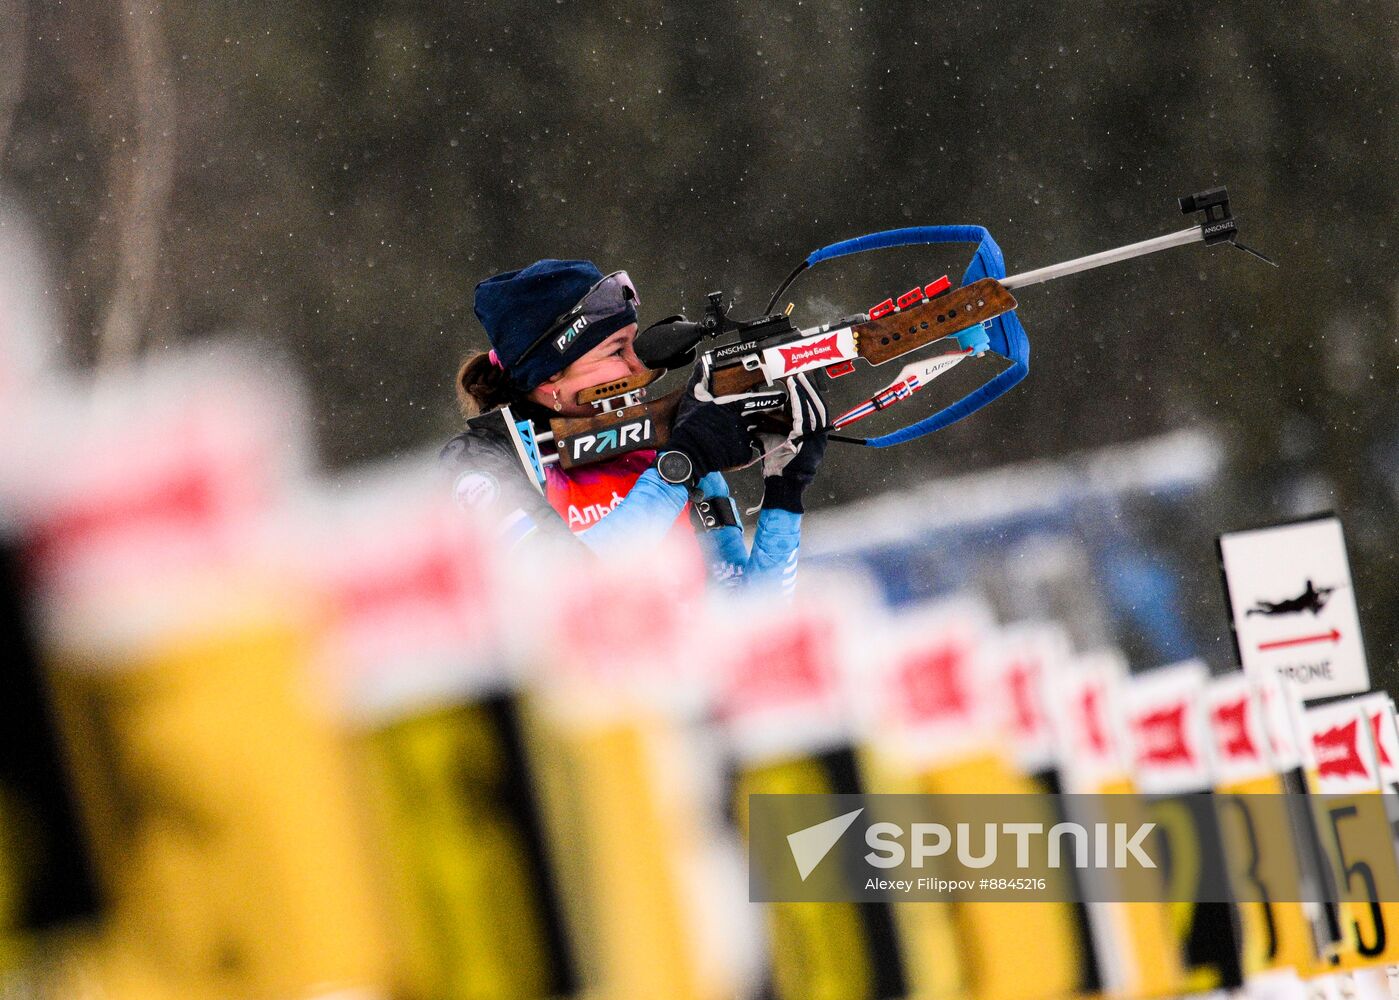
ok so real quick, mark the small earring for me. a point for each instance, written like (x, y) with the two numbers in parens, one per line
(558, 403)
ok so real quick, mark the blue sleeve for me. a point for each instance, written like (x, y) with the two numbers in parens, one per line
(651, 507)
(724, 548)
(644, 515)
(773, 561)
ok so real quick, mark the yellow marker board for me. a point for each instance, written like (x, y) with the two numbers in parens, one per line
(836, 951)
(1168, 742)
(1355, 833)
(473, 888)
(219, 805)
(1138, 948)
(1259, 847)
(620, 810)
(1011, 950)
(934, 956)
(936, 727)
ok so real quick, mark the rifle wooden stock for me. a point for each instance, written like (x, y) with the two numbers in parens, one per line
(891, 336)
(622, 386)
(655, 416)
(734, 379)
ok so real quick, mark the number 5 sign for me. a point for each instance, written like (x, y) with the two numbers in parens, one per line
(1343, 770)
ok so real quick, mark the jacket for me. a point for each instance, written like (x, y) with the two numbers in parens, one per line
(487, 477)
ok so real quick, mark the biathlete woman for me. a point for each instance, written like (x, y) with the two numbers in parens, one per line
(560, 326)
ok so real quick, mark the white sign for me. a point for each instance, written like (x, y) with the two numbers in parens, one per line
(1168, 730)
(1341, 752)
(1293, 606)
(1379, 712)
(1238, 731)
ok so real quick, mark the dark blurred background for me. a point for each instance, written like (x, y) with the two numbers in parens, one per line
(334, 178)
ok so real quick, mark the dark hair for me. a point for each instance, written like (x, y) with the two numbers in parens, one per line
(481, 386)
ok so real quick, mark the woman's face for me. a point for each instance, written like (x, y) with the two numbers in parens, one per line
(614, 358)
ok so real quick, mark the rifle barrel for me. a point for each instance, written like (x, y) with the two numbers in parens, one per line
(1192, 235)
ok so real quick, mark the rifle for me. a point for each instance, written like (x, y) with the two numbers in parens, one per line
(974, 319)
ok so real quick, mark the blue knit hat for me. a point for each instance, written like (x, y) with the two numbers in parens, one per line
(517, 307)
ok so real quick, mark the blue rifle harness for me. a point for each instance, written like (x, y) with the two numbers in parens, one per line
(1004, 335)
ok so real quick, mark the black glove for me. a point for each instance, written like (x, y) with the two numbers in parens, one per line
(713, 434)
(790, 463)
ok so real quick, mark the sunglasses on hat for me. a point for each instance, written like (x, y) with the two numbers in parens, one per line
(611, 296)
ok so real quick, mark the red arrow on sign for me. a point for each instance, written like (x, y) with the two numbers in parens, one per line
(1334, 635)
